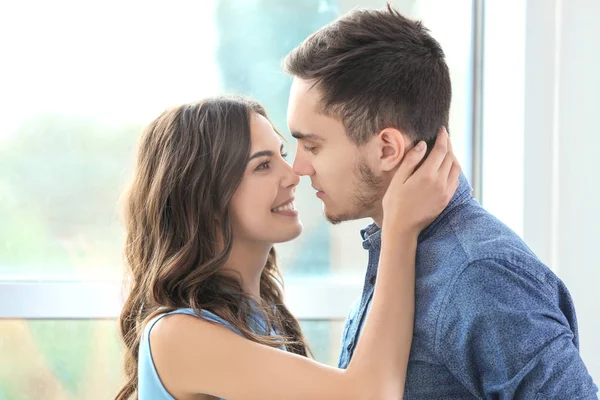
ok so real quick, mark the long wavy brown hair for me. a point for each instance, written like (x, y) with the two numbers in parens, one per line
(190, 162)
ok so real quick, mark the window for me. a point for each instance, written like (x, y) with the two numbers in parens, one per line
(79, 82)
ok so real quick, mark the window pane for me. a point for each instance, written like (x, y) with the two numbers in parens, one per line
(324, 339)
(82, 359)
(76, 96)
(59, 359)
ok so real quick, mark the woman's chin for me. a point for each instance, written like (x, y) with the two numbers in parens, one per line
(290, 233)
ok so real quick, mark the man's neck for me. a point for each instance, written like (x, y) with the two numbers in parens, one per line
(377, 215)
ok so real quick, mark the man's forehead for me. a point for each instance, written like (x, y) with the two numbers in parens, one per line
(305, 118)
(305, 93)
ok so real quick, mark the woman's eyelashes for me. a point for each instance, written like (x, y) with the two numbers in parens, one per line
(267, 164)
(263, 166)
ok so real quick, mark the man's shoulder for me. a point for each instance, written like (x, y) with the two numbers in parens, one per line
(480, 235)
(474, 241)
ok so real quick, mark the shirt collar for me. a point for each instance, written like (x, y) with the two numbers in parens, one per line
(371, 234)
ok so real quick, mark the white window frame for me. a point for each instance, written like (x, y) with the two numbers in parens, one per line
(328, 298)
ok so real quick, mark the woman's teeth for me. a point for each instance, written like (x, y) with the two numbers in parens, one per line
(285, 207)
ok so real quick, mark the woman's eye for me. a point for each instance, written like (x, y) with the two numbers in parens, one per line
(310, 149)
(264, 165)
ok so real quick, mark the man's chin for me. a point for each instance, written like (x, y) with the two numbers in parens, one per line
(334, 219)
(338, 218)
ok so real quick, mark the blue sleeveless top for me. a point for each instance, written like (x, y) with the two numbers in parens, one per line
(149, 385)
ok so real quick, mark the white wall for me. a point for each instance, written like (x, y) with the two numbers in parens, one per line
(550, 91)
(503, 75)
(577, 177)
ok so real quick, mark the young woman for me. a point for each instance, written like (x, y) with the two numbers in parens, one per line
(205, 319)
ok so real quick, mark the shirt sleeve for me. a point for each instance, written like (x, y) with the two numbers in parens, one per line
(347, 339)
(503, 333)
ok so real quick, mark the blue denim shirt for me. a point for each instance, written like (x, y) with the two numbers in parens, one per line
(491, 320)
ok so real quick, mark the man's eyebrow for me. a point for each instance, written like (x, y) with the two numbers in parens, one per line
(307, 136)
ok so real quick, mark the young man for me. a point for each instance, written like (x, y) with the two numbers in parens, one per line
(492, 321)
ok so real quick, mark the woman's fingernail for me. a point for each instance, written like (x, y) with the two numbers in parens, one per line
(421, 146)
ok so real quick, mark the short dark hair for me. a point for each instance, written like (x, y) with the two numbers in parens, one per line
(377, 69)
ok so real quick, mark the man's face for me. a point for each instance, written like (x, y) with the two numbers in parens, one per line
(339, 169)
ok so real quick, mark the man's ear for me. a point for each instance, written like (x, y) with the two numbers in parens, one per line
(393, 144)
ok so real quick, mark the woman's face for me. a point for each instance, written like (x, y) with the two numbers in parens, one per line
(262, 208)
